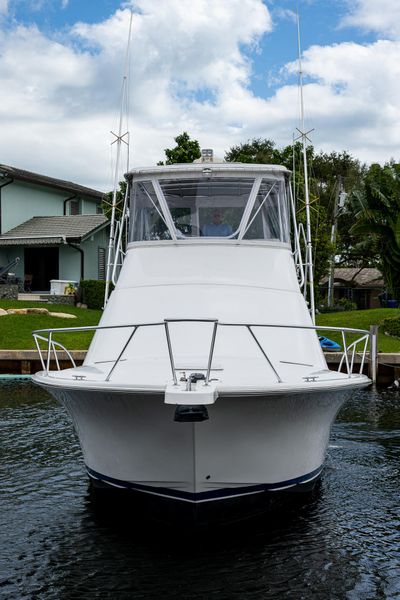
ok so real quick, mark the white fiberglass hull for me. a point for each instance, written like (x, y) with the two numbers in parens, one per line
(247, 446)
(205, 326)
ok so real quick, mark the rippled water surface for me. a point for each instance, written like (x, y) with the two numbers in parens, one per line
(342, 542)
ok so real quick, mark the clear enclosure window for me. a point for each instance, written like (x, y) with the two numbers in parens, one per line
(269, 219)
(209, 208)
(147, 221)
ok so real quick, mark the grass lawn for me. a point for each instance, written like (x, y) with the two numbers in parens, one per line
(362, 319)
(16, 330)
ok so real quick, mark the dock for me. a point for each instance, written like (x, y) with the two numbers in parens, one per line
(387, 365)
(27, 362)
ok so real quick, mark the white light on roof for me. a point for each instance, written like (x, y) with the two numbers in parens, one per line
(207, 155)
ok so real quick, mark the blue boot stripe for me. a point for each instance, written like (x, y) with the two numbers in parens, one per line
(209, 495)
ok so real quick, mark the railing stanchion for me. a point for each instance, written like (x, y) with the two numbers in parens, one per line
(345, 353)
(210, 357)
(264, 354)
(121, 353)
(48, 353)
(55, 356)
(39, 351)
(171, 356)
(364, 353)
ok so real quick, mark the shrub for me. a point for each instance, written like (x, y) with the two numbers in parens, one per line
(339, 306)
(391, 326)
(92, 292)
(347, 304)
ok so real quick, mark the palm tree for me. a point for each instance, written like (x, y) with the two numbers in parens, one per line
(376, 206)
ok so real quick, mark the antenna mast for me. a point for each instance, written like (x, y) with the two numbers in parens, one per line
(120, 138)
(304, 139)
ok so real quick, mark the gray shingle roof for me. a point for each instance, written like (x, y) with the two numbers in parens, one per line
(69, 186)
(367, 276)
(53, 230)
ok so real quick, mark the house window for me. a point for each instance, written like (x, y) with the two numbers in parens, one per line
(99, 209)
(102, 263)
(74, 207)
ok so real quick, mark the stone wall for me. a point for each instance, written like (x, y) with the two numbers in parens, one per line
(60, 299)
(8, 291)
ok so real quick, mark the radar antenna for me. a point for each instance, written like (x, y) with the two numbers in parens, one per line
(116, 226)
(304, 139)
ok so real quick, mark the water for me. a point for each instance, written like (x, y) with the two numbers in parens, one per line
(342, 542)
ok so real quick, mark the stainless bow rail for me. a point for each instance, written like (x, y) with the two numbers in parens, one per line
(348, 357)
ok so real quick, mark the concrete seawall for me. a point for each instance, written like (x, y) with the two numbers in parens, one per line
(388, 365)
(27, 362)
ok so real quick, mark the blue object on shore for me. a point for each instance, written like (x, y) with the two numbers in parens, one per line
(328, 344)
(392, 304)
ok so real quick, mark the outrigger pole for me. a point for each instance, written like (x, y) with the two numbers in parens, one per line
(120, 138)
(304, 139)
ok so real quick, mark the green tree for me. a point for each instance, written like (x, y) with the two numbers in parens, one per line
(326, 169)
(108, 200)
(185, 151)
(264, 151)
(257, 150)
(376, 206)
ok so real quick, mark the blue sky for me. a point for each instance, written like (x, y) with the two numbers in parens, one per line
(220, 69)
(56, 14)
(320, 24)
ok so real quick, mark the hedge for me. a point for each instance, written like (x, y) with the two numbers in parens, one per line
(391, 326)
(92, 292)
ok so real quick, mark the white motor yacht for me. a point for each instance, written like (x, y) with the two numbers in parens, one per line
(205, 380)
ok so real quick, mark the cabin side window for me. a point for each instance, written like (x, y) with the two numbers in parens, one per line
(147, 221)
(269, 218)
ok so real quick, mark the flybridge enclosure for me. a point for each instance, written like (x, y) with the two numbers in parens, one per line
(203, 201)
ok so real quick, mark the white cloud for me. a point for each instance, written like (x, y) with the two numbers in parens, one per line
(285, 13)
(64, 3)
(355, 99)
(189, 72)
(381, 16)
(176, 54)
(3, 7)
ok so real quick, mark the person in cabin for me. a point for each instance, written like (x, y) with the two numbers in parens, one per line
(217, 228)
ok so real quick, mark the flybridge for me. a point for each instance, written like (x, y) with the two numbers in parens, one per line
(206, 202)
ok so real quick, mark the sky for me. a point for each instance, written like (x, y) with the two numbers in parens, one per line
(225, 71)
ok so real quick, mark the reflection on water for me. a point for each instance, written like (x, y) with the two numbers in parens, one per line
(341, 542)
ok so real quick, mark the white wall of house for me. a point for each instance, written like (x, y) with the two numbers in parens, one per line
(20, 201)
(86, 206)
(69, 263)
(91, 249)
(70, 259)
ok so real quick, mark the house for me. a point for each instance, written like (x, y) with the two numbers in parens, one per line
(364, 286)
(55, 227)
